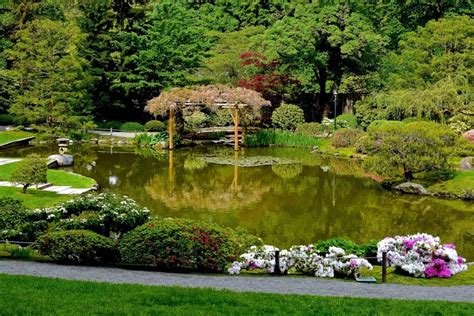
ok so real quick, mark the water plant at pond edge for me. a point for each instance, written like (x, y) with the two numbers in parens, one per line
(269, 137)
(422, 255)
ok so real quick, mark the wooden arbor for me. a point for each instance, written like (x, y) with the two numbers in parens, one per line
(243, 103)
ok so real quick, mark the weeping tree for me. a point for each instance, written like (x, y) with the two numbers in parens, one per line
(245, 104)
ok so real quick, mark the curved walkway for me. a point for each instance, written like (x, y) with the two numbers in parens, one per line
(282, 285)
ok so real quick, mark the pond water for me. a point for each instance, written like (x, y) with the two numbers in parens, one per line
(316, 198)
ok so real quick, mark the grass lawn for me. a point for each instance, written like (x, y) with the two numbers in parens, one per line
(55, 177)
(34, 198)
(461, 183)
(24, 295)
(8, 136)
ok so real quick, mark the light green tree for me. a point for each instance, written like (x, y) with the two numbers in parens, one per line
(31, 170)
(405, 149)
(53, 78)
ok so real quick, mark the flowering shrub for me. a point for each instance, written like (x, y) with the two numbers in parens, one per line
(346, 137)
(422, 256)
(104, 213)
(181, 244)
(303, 259)
(78, 246)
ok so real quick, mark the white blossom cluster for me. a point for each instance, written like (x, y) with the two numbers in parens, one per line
(421, 255)
(302, 259)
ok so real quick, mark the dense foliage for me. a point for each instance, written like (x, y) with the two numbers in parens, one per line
(64, 63)
(184, 245)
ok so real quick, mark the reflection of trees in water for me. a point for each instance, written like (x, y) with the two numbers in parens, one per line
(287, 171)
(194, 163)
(210, 189)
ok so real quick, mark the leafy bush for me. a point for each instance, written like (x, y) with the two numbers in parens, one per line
(368, 249)
(6, 119)
(132, 127)
(267, 137)
(346, 137)
(410, 148)
(312, 129)
(155, 126)
(221, 118)
(196, 120)
(287, 117)
(78, 246)
(348, 120)
(381, 123)
(31, 170)
(110, 124)
(181, 244)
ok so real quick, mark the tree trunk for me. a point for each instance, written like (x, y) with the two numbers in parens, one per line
(25, 187)
(407, 174)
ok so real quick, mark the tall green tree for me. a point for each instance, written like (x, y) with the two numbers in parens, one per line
(53, 78)
(321, 45)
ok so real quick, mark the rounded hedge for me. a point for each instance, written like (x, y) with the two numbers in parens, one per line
(182, 244)
(288, 117)
(155, 126)
(78, 246)
(132, 127)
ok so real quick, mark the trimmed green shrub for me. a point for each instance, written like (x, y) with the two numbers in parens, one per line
(110, 124)
(368, 249)
(287, 117)
(379, 123)
(155, 126)
(182, 244)
(78, 246)
(348, 120)
(346, 137)
(132, 127)
(195, 120)
(312, 129)
(6, 119)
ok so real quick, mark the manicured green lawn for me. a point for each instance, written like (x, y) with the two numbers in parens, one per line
(23, 295)
(34, 198)
(55, 177)
(8, 136)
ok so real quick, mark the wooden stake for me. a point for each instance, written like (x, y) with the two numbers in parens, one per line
(170, 125)
(384, 267)
(236, 128)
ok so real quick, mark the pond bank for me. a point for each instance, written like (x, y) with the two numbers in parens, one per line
(282, 285)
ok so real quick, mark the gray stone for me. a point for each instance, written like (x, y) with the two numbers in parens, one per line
(412, 188)
(62, 160)
(467, 163)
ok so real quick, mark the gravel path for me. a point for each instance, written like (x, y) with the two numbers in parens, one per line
(284, 285)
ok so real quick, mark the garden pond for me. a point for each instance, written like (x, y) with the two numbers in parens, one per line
(314, 198)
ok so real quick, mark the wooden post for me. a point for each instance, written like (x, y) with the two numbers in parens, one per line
(277, 262)
(171, 173)
(236, 128)
(384, 267)
(170, 126)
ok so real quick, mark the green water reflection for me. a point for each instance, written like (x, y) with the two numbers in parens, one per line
(284, 204)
